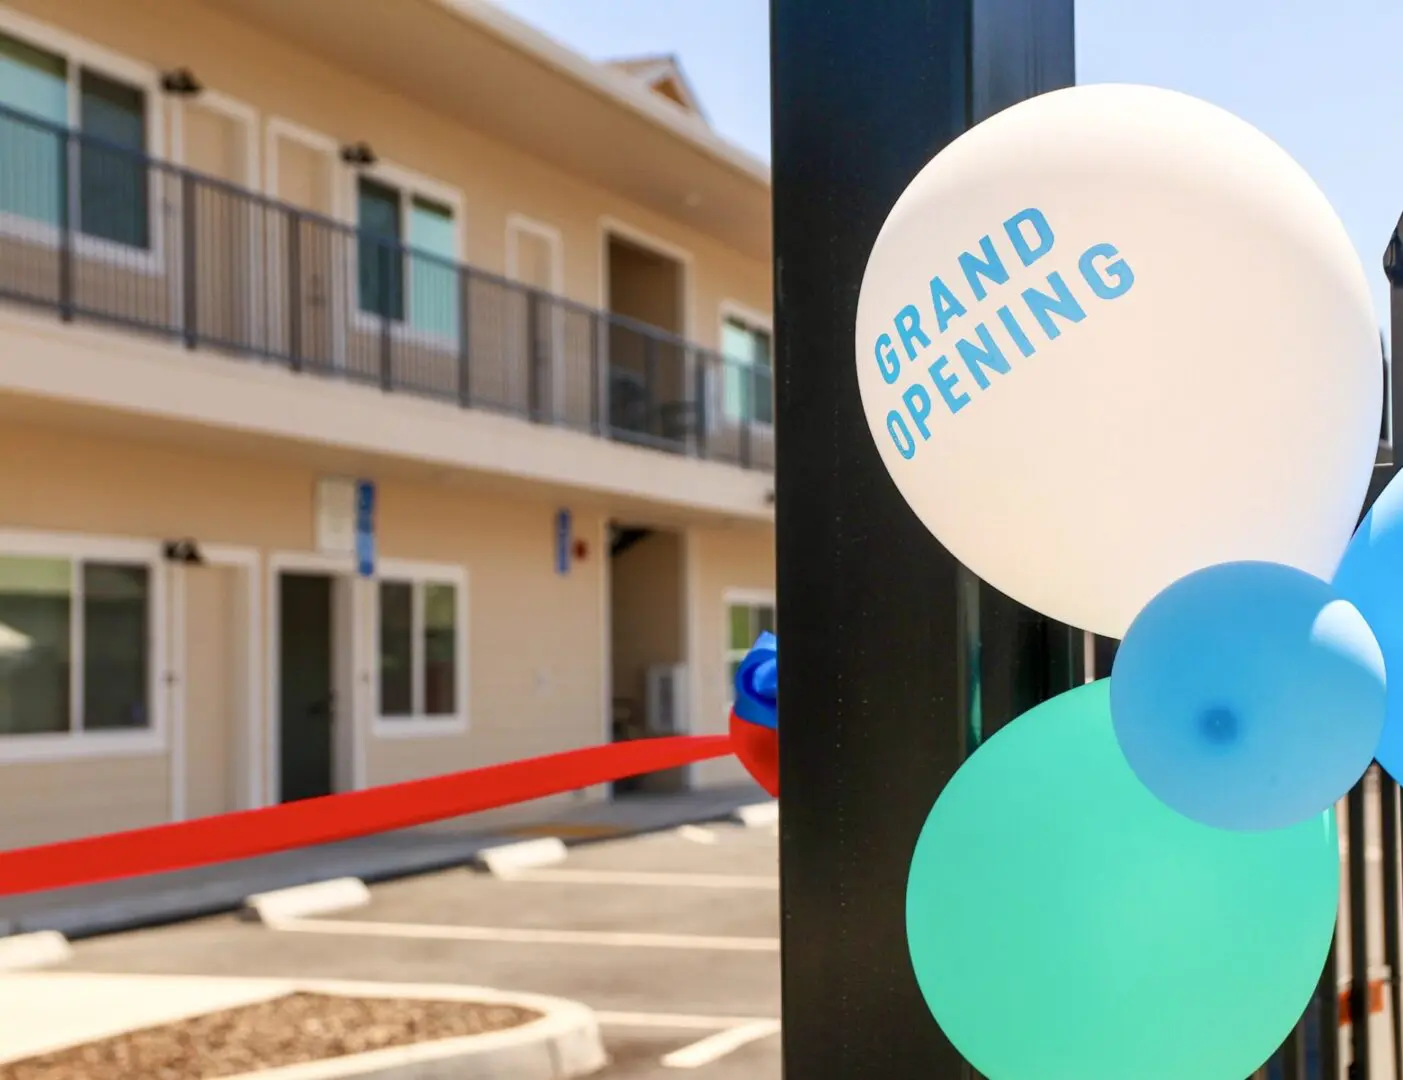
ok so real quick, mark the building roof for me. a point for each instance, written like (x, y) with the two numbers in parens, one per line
(626, 93)
(472, 62)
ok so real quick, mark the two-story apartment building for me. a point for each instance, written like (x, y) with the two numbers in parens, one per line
(384, 390)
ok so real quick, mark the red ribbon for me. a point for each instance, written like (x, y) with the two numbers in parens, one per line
(246, 834)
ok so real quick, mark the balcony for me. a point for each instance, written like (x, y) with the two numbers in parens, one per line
(97, 232)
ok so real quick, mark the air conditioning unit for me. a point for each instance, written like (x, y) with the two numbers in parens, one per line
(667, 700)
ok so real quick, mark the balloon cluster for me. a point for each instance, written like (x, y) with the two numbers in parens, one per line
(1119, 355)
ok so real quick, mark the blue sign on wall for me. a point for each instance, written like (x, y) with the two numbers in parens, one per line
(563, 533)
(365, 528)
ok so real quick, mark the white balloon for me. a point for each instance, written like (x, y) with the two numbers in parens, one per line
(1113, 335)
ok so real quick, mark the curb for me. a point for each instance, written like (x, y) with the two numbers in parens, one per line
(25, 952)
(305, 901)
(504, 860)
(86, 912)
(758, 815)
(563, 1044)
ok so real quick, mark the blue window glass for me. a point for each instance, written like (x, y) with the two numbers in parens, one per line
(433, 271)
(34, 91)
(111, 180)
(379, 256)
(749, 379)
(113, 199)
(407, 259)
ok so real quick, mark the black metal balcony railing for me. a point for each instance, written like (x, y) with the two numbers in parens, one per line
(97, 231)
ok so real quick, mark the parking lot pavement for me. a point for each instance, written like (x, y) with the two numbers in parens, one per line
(672, 938)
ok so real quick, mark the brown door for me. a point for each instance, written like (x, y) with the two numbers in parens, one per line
(221, 281)
(307, 254)
(215, 705)
(535, 324)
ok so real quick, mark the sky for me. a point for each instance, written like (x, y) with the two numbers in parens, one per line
(1324, 78)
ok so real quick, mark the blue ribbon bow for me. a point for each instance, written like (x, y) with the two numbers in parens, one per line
(757, 683)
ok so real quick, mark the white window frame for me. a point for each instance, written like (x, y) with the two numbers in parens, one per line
(518, 224)
(72, 744)
(751, 598)
(735, 311)
(416, 724)
(80, 53)
(408, 183)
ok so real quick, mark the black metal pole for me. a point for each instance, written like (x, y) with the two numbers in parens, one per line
(1329, 1013)
(864, 93)
(1293, 1051)
(1388, 841)
(1358, 933)
(1393, 270)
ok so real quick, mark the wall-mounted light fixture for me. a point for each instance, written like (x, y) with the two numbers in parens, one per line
(181, 82)
(184, 551)
(359, 155)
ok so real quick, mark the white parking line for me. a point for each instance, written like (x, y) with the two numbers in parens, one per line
(676, 1021)
(714, 1047)
(696, 834)
(567, 876)
(516, 936)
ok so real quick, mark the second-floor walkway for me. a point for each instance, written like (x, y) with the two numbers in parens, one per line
(94, 230)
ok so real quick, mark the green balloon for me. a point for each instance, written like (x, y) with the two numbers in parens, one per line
(1064, 924)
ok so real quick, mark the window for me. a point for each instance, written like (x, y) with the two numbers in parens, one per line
(112, 176)
(108, 188)
(745, 621)
(748, 394)
(75, 646)
(407, 254)
(420, 657)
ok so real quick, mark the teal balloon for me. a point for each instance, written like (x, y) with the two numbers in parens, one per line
(1064, 924)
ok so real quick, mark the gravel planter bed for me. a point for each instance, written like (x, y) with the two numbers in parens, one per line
(286, 1030)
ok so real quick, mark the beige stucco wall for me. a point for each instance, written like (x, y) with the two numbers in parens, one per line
(278, 79)
(537, 654)
(535, 639)
(49, 801)
(536, 650)
(741, 559)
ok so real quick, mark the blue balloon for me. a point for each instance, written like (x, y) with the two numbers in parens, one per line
(1249, 696)
(1371, 578)
(757, 683)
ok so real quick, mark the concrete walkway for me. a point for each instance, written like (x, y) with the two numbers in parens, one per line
(43, 1013)
(210, 890)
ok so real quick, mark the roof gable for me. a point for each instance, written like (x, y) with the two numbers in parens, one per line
(665, 77)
